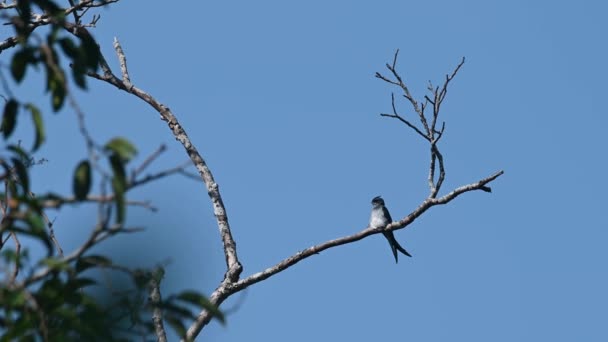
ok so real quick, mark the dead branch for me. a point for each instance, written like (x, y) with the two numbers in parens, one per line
(157, 313)
(234, 267)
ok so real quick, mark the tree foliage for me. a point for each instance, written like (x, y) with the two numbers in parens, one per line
(48, 299)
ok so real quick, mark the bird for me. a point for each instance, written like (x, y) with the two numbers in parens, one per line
(380, 218)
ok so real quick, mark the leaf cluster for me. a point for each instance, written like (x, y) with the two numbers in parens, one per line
(52, 298)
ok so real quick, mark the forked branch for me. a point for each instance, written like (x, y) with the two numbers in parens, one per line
(432, 135)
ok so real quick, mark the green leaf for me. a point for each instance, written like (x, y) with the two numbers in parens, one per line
(69, 48)
(118, 167)
(55, 264)
(90, 50)
(79, 74)
(12, 187)
(19, 63)
(89, 261)
(122, 147)
(36, 223)
(18, 151)
(36, 229)
(9, 118)
(49, 6)
(175, 309)
(55, 83)
(79, 283)
(9, 255)
(177, 325)
(58, 96)
(25, 14)
(201, 301)
(13, 298)
(82, 180)
(118, 185)
(38, 125)
(78, 65)
(21, 172)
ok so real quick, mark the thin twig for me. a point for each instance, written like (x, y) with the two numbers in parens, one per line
(98, 235)
(402, 119)
(57, 203)
(162, 148)
(123, 63)
(155, 176)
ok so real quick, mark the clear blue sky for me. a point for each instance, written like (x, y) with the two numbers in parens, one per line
(280, 99)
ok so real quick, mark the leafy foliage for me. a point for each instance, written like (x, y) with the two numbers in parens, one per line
(53, 298)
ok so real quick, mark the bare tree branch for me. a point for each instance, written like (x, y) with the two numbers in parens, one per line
(162, 148)
(99, 234)
(402, 119)
(432, 135)
(234, 267)
(406, 91)
(56, 203)
(4, 5)
(157, 313)
(123, 63)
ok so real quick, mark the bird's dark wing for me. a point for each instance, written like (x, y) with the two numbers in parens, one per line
(387, 214)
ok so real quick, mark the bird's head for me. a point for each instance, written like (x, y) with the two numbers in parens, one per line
(377, 201)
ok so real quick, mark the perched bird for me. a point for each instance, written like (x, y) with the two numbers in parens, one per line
(381, 217)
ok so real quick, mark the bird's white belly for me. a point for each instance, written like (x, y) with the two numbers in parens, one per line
(377, 221)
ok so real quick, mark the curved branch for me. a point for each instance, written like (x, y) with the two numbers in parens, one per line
(234, 267)
(406, 221)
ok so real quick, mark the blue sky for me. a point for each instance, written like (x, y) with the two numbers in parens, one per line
(280, 99)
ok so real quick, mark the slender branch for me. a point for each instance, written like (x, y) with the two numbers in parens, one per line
(99, 234)
(436, 154)
(157, 313)
(123, 63)
(406, 221)
(234, 267)
(57, 203)
(402, 119)
(4, 5)
(85, 4)
(162, 148)
(44, 331)
(178, 169)
(440, 95)
(431, 177)
(406, 91)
